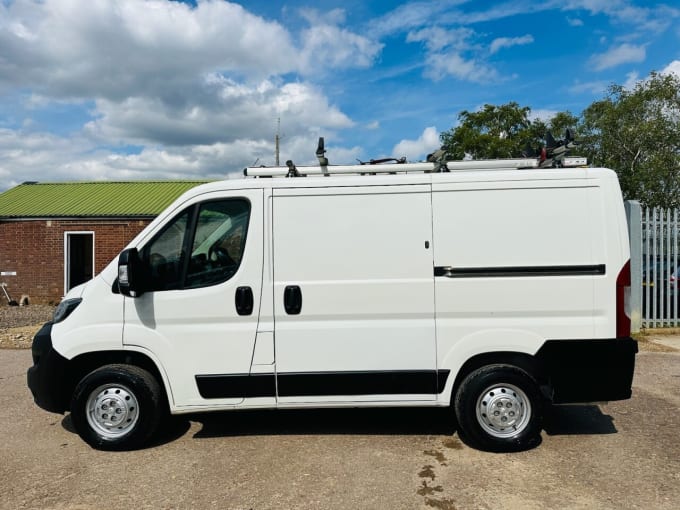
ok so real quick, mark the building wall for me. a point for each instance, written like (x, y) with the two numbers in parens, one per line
(35, 251)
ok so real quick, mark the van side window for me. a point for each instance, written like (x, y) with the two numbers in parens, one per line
(219, 242)
(214, 236)
(165, 256)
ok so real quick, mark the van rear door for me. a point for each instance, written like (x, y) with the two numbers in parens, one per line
(354, 294)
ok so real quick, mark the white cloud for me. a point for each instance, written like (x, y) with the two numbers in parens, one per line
(590, 87)
(48, 158)
(187, 81)
(329, 46)
(445, 55)
(412, 15)
(440, 65)
(508, 42)
(222, 110)
(543, 114)
(438, 39)
(672, 68)
(316, 17)
(417, 14)
(83, 48)
(655, 18)
(632, 79)
(426, 143)
(615, 56)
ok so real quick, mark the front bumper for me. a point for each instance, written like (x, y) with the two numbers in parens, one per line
(48, 378)
(581, 371)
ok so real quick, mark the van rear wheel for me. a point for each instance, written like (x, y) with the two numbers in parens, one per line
(499, 408)
(117, 407)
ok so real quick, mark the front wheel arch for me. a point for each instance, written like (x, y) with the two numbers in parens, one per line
(87, 362)
(117, 407)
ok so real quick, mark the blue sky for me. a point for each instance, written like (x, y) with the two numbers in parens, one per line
(131, 89)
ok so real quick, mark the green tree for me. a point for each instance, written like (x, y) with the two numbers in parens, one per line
(501, 132)
(637, 133)
(561, 121)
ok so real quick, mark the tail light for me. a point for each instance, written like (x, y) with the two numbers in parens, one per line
(622, 298)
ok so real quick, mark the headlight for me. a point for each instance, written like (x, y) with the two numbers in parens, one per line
(65, 308)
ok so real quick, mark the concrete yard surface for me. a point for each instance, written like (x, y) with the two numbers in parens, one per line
(621, 455)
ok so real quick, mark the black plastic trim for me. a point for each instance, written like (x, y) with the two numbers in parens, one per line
(519, 271)
(311, 384)
(292, 299)
(236, 385)
(48, 378)
(357, 383)
(244, 301)
(596, 370)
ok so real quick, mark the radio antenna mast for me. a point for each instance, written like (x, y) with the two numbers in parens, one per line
(277, 138)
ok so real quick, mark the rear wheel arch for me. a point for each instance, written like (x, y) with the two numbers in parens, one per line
(526, 362)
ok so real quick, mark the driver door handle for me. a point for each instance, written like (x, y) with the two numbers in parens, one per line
(244, 301)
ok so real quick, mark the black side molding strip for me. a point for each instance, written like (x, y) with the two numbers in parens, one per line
(236, 385)
(317, 384)
(519, 271)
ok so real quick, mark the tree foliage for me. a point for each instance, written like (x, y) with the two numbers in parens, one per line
(501, 132)
(492, 132)
(637, 133)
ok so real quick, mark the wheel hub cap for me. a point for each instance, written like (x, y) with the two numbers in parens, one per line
(112, 410)
(503, 410)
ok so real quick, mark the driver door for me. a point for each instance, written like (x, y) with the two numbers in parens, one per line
(192, 318)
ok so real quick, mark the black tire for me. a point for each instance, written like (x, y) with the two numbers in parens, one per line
(117, 407)
(515, 400)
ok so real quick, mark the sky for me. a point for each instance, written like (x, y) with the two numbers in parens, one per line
(95, 90)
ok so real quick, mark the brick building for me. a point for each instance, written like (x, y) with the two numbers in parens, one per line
(54, 236)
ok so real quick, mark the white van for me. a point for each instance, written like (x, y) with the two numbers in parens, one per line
(493, 291)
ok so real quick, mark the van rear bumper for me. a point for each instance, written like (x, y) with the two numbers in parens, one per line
(47, 378)
(581, 371)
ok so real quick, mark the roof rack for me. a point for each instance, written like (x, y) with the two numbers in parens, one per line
(433, 165)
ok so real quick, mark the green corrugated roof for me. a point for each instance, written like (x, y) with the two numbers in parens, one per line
(91, 199)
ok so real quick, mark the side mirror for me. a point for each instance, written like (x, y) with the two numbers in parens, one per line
(130, 273)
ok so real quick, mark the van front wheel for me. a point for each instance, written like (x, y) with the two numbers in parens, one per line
(499, 408)
(116, 407)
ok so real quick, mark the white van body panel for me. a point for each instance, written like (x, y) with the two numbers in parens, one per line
(98, 326)
(407, 276)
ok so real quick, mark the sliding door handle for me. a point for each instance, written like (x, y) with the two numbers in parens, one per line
(292, 299)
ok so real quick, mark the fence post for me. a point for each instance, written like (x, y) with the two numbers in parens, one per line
(634, 217)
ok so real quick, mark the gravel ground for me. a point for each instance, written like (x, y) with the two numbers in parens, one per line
(18, 324)
(623, 455)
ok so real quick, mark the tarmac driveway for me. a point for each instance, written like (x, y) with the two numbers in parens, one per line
(620, 455)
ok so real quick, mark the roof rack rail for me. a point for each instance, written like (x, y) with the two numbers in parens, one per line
(392, 166)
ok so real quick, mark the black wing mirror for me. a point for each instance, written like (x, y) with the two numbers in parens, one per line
(131, 275)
